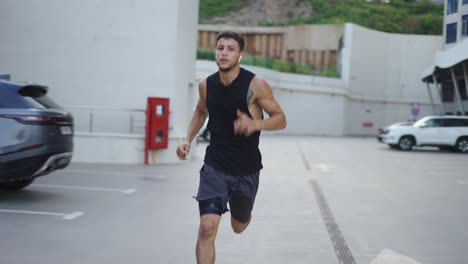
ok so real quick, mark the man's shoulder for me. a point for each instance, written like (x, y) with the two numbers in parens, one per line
(258, 83)
(247, 72)
(212, 76)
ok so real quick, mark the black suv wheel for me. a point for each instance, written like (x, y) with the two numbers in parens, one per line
(16, 185)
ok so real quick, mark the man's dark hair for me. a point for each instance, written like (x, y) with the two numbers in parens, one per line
(232, 35)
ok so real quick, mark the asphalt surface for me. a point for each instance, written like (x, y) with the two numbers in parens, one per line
(321, 200)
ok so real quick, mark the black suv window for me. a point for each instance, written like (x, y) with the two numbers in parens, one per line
(42, 102)
(436, 122)
(455, 122)
(11, 98)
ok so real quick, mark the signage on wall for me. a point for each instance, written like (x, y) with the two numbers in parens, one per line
(415, 109)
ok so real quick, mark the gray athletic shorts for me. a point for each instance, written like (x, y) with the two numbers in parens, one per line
(217, 189)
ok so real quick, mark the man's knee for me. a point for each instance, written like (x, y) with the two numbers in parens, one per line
(208, 226)
(239, 227)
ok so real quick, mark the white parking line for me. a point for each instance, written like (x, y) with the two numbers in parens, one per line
(103, 172)
(71, 216)
(127, 191)
(462, 182)
(323, 167)
(389, 256)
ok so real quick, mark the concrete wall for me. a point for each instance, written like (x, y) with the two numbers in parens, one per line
(108, 54)
(380, 81)
(313, 105)
(382, 72)
(314, 37)
(311, 45)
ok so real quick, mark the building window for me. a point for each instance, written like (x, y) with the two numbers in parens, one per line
(465, 2)
(452, 6)
(451, 33)
(462, 89)
(447, 92)
(464, 25)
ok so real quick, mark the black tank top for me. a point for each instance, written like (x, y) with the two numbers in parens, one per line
(232, 154)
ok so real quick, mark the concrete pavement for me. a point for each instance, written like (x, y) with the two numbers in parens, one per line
(321, 200)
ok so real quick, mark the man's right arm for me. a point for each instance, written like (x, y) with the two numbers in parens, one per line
(199, 115)
(198, 119)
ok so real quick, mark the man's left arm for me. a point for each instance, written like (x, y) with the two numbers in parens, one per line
(263, 95)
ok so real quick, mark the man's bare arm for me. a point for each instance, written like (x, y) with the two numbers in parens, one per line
(199, 115)
(263, 96)
(198, 118)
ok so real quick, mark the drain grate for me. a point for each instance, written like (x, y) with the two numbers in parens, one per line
(342, 250)
(339, 243)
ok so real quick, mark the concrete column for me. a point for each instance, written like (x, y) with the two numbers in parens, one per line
(212, 40)
(303, 56)
(439, 92)
(297, 56)
(318, 60)
(278, 46)
(264, 45)
(457, 92)
(326, 62)
(204, 39)
(257, 44)
(430, 96)
(199, 39)
(465, 74)
(310, 57)
(271, 45)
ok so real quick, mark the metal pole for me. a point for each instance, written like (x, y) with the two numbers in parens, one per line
(430, 95)
(439, 92)
(465, 73)
(131, 122)
(457, 92)
(91, 116)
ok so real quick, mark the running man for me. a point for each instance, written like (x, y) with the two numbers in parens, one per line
(234, 99)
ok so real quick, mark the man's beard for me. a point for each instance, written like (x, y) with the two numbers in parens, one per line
(226, 69)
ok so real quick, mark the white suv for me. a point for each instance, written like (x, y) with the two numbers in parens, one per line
(445, 132)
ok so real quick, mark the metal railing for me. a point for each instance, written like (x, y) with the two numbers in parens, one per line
(108, 120)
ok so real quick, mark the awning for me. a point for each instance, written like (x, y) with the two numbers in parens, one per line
(447, 58)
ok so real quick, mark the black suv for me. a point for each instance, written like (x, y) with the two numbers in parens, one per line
(36, 134)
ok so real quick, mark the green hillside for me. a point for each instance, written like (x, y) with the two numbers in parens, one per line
(399, 16)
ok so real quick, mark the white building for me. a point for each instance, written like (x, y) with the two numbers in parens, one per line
(101, 60)
(447, 74)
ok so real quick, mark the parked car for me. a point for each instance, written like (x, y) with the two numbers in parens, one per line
(204, 133)
(36, 134)
(383, 131)
(445, 132)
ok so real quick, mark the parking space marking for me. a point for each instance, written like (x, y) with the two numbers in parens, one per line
(323, 167)
(71, 216)
(103, 172)
(462, 182)
(127, 191)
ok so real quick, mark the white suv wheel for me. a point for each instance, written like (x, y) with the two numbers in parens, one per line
(406, 143)
(462, 145)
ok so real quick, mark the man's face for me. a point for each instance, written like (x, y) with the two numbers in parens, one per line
(227, 54)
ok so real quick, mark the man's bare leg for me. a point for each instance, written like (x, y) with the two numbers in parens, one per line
(239, 227)
(207, 231)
